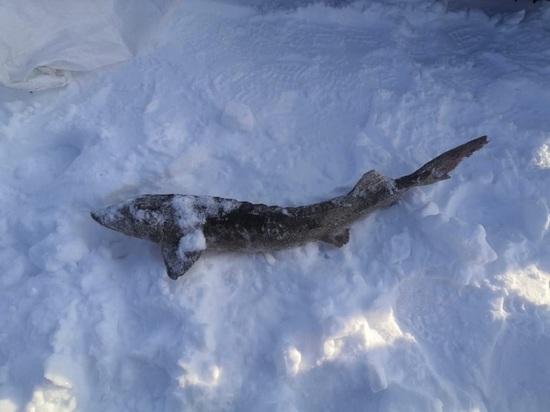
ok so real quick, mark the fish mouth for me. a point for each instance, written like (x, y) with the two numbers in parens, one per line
(104, 219)
(96, 217)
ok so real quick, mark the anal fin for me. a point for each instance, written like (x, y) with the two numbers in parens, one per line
(338, 238)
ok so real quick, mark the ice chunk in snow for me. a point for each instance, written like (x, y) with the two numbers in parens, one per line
(535, 218)
(377, 378)
(291, 361)
(542, 158)
(50, 398)
(467, 242)
(237, 116)
(197, 373)
(58, 369)
(7, 405)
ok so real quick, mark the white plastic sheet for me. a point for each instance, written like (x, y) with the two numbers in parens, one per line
(42, 42)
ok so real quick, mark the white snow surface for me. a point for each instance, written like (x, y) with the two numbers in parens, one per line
(439, 303)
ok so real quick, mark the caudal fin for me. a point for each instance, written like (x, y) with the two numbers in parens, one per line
(439, 168)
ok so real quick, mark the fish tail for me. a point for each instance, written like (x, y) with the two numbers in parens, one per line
(438, 169)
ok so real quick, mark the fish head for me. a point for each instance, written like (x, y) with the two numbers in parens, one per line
(142, 217)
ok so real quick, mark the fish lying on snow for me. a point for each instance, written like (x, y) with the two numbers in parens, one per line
(186, 225)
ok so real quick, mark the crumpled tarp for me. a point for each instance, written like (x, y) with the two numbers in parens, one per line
(43, 41)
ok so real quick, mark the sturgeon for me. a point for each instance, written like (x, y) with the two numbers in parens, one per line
(187, 225)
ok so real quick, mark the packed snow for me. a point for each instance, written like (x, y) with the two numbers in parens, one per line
(438, 303)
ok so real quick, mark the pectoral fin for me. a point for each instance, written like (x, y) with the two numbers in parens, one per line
(338, 238)
(178, 260)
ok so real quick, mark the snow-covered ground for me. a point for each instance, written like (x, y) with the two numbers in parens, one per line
(439, 303)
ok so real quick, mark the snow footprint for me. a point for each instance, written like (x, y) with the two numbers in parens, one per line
(57, 250)
(41, 168)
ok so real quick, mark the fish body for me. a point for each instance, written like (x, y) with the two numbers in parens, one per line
(187, 225)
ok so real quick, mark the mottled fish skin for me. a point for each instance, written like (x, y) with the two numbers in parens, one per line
(186, 225)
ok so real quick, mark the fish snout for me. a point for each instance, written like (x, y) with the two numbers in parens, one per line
(102, 217)
(95, 216)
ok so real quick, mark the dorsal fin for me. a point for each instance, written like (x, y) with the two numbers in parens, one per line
(368, 182)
